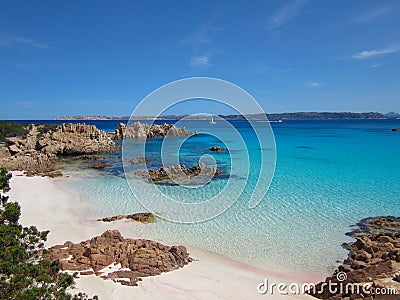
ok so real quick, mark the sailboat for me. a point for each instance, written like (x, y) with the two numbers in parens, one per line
(212, 121)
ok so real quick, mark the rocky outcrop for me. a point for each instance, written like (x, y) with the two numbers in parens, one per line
(138, 217)
(179, 174)
(395, 129)
(376, 225)
(36, 164)
(76, 139)
(373, 260)
(38, 151)
(217, 149)
(119, 132)
(142, 131)
(135, 258)
(139, 160)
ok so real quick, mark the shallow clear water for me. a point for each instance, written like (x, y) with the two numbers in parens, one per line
(329, 175)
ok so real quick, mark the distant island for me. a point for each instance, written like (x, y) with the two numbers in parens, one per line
(271, 117)
(102, 118)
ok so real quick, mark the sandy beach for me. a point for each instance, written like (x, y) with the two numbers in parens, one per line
(210, 276)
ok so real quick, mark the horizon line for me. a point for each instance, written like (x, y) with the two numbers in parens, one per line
(105, 117)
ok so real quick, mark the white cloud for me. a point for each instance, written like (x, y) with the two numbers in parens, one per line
(367, 16)
(263, 67)
(376, 65)
(201, 37)
(283, 70)
(202, 43)
(372, 15)
(200, 61)
(376, 52)
(7, 40)
(31, 43)
(313, 84)
(285, 14)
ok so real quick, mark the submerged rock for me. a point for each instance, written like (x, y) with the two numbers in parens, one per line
(139, 217)
(139, 160)
(87, 157)
(100, 165)
(137, 257)
(179, 174)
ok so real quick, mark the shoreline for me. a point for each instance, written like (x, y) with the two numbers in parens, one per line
(46, 204)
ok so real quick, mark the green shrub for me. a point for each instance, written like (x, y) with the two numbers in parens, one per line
(12, 129)
(24, 273)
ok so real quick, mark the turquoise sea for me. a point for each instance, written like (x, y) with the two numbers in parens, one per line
(329, 175)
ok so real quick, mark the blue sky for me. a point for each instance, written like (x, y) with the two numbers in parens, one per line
(102, 57)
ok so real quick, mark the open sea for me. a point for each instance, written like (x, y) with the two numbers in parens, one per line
(328, 176)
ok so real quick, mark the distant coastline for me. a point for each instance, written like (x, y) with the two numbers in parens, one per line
(271, 117)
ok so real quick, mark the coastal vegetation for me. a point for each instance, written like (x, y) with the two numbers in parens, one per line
(11, 129)
(24, 273)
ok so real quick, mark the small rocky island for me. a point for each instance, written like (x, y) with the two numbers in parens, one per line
(374, 259)
(218, 149)
(180, 174)
(142, 131)
(138, 217)
(111, 256)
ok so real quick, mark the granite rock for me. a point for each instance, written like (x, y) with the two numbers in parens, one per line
(142, 131)
(136, 257)
(374, 258)
(218, 149)
(138, 217)
(37, 153)
(180, 174)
